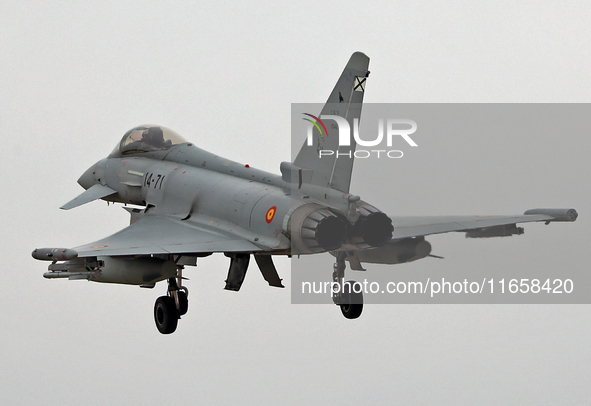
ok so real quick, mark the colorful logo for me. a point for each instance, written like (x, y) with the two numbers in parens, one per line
(270, 214)
(316, 124)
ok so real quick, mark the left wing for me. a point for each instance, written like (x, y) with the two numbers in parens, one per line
(476, 226)
(165, 234)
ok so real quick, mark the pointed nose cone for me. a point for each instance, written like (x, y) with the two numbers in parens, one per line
(88, 179)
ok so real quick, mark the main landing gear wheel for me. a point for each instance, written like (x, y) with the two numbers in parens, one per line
(166, 315)
(352, 301)
(169, 309)
(183, 302)
(350, 297)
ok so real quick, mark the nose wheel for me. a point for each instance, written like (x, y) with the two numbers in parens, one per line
(169, 309)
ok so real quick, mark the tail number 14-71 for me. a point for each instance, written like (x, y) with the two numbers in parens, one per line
(153, 180)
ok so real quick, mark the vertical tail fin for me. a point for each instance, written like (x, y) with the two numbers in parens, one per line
(345, 101)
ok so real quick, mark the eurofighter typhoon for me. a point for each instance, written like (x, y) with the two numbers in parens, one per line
(190, 203)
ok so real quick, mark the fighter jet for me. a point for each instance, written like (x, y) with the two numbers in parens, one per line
(187, 203)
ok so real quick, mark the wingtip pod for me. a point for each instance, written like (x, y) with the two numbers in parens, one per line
(358, 61)
(558, 214)
(54, 254)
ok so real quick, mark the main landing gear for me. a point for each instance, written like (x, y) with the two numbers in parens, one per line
(350, 296)
(169, 309)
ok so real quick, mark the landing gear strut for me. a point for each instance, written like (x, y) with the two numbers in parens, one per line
(350, 295)
(169, 309)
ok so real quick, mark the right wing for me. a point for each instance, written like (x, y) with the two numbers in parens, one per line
(475, 226)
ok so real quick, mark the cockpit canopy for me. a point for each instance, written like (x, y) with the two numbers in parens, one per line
(147, 138)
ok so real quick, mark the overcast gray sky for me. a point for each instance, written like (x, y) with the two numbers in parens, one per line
(75, 76)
